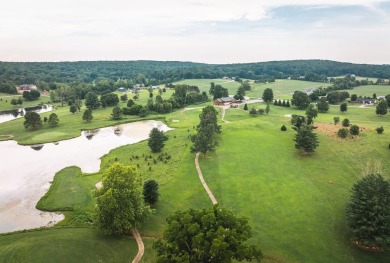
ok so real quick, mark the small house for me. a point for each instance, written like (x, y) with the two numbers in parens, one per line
(366, 100)
(122, 89)
(26, 87)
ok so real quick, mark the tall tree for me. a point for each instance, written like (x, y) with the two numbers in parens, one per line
(305, 138)
(207, 235)
(91, 100)
(33, 120)
(311, 113)
(120, 205)
(150, 192)
(73, 108)
(323, 105)
(240, 93)
(381, 108)
(116, 113)
(53, 120)
(156, 140)
(268, 95)
(204, 140)
(300, 99)
(87, 115)
(368, 211)
(343, 107)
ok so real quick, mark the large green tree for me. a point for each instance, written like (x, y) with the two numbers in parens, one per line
(32, 120)
(208, 127)
(268, 95)
(323, 105)
(116, 113)
(92, 101)
(311, 113)
(120, 205)
(368, 211)
(207, 235)
(150, 191)
(300, 99)
(218, 91)
(87, 115)
(156, 140)
(53, 120)
(305, 138)
(381, 108)
(343, 107)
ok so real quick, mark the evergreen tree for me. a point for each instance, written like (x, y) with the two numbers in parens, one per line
(53, 120)
(288, 104)
(306, 139)
(343, 107)
(246, 106)
(116, 113)
(311, 113)
(150, 192)
(73, 108)
(345, 122)
(368, 211)
(204, 140)
(381, 108)
(156, 140)
(354, 130)
(87, 116)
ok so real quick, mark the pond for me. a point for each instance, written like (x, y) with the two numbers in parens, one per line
(19, 113)
(27, 171)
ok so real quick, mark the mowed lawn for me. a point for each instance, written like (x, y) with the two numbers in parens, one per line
(295, 203)
(369, 90)
(66, 245)
(204, 84)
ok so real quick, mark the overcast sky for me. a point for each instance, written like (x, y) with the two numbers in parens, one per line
(213, 31)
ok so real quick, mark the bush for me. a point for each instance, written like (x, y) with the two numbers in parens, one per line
(345, 123)
(380, 130)
(354, 130)
(261, 111)
(150, 191)
(336, 120)
(343, 133)
(246, 106)
(283, 128)
(253, 111)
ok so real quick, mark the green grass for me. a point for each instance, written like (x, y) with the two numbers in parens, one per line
(283, 88)
(5, 101)
(204, 84)
(369, 90)
(66, 245)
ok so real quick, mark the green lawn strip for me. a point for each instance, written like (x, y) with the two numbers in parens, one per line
(5, 102)
(66, 245)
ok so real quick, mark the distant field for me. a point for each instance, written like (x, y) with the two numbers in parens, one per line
(204, 84)
(369, 90)
(5, 101)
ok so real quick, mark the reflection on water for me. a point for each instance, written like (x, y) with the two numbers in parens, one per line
(90, 133)
(9, 115)
(26, 175)
(36, 147)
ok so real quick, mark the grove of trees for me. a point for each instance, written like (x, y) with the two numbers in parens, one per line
(207, 235)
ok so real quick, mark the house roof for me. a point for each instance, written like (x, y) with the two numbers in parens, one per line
(226, 99)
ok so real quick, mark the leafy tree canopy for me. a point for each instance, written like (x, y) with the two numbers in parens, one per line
(119, 203)
(33, 120)
(207, 235)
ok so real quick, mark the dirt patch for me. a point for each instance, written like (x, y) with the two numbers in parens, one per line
(331, 130)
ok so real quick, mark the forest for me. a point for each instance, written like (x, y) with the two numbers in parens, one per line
(46, 74)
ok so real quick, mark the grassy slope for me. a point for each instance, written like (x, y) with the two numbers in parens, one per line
(204, 84)
(369, 90)
(5, 101)
(66, 245)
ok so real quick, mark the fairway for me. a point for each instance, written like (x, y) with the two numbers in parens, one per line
(66, 245)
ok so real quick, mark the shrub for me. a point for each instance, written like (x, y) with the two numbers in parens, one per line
(354, 130)
(253, 111)
(380, 130)
(343, 133)
(283, 128)
(336, 120)
(261, 111)
(246, 106)
(345, 123)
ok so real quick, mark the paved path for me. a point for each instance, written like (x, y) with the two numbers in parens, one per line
(140, 244)
(213, 200)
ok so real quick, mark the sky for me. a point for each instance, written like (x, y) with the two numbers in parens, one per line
(213, 31)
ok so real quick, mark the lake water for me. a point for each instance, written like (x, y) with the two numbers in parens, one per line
(4, 117)
(26, 171)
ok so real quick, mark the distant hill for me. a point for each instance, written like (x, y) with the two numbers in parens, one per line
(159, 72)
